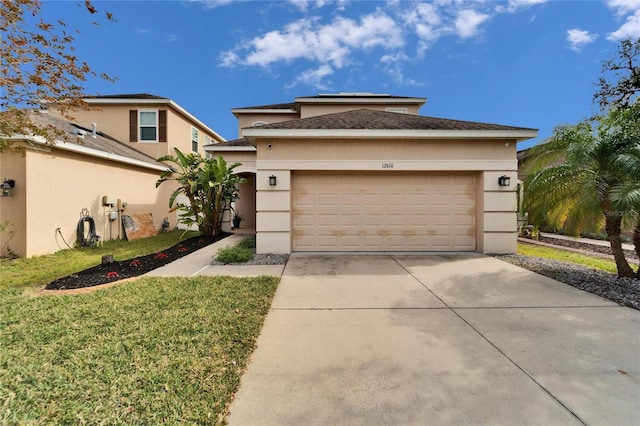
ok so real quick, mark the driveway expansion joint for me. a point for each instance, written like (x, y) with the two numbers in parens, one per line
(515, 364)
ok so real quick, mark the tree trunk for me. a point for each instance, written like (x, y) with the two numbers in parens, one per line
(612, 226)
(636, 242)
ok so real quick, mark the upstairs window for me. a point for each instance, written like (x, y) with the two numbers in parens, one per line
(194, 139)
(147, 125)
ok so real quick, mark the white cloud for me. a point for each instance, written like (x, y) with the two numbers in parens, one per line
(229, 59)
(333, 43)
(142, 30)
(212, 4)
(624, 6)
(579, 38)
(314, 77)
(516, 5)
(426, 21)
(392, 65)
(171, 37)
(394, 27)
(631, 28)
(468, 22)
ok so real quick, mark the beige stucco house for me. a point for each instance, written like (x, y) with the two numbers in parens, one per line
(365, 172)
(107, 165)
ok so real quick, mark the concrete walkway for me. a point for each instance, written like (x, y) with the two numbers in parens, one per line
(438, 339)
(199, 263)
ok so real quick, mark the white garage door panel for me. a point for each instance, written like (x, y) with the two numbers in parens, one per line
(384, 212)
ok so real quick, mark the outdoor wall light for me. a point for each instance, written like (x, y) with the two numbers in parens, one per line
(272, 180)
(504, 180)
(7, 187)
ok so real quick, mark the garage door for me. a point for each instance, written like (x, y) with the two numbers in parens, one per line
(384, 212)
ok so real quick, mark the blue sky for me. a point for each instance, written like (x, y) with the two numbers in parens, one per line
(530, 63)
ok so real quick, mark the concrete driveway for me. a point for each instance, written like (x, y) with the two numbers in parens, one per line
(438, 339)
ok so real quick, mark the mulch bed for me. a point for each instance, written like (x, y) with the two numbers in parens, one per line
(120, 270)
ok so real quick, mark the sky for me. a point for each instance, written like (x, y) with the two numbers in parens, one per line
(528, 63)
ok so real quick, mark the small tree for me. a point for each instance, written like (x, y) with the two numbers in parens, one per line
(623, 68)
(38, 65)
(588, 175)
(209, 184)
(574, 176)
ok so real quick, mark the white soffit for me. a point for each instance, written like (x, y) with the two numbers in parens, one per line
(519, 135)
(214, 148)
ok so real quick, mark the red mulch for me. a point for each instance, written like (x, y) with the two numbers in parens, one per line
(119, 270)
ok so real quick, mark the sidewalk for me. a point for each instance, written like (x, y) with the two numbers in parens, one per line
(198, 263)
(585, 240)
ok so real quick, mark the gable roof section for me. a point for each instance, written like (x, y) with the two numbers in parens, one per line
(237, 145)
(367, 123)
(128, 96)
(147, 99)
(80, 140)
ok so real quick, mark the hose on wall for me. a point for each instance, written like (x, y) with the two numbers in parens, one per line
(91, 238)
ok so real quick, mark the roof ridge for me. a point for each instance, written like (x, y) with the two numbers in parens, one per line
(363, 118)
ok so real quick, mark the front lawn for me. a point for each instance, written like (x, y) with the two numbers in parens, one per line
(38, 271)
(567, 256)
(150, 351)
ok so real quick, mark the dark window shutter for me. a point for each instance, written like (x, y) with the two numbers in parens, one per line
(133, 125)
(162, 124)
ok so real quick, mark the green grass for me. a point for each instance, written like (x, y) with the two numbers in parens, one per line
(242, 252)
(567, 256)
(38, 271)
(151, 351)
(247, 242)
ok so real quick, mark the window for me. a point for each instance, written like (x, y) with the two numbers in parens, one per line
(148, 126)
(194, 139)
(398, 110)
(258, 123)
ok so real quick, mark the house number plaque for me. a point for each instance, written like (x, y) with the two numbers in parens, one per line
(387, 165)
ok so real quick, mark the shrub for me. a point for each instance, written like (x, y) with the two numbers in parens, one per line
(235, 254)
(248, 243)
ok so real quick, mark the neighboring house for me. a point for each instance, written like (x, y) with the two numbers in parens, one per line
(365, 172)
(151, 124)
(109, 151)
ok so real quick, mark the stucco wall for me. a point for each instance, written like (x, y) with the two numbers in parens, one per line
(496, 217)
(56, 186)
(313, 110)
(114, 121)
(13, 239)
(249, 119)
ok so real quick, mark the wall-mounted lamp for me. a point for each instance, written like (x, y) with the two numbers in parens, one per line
(272, 180)
(504, 180)
(7, 187)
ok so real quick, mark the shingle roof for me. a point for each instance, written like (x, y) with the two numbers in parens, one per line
(127, 96)
(285, 106)
(366, 119)
(102, 142)
(235, 142)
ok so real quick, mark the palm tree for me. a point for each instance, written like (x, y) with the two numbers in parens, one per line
(574, 176)
(209, 184)
(623, 125)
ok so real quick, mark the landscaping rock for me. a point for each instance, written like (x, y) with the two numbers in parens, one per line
(624, 291)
